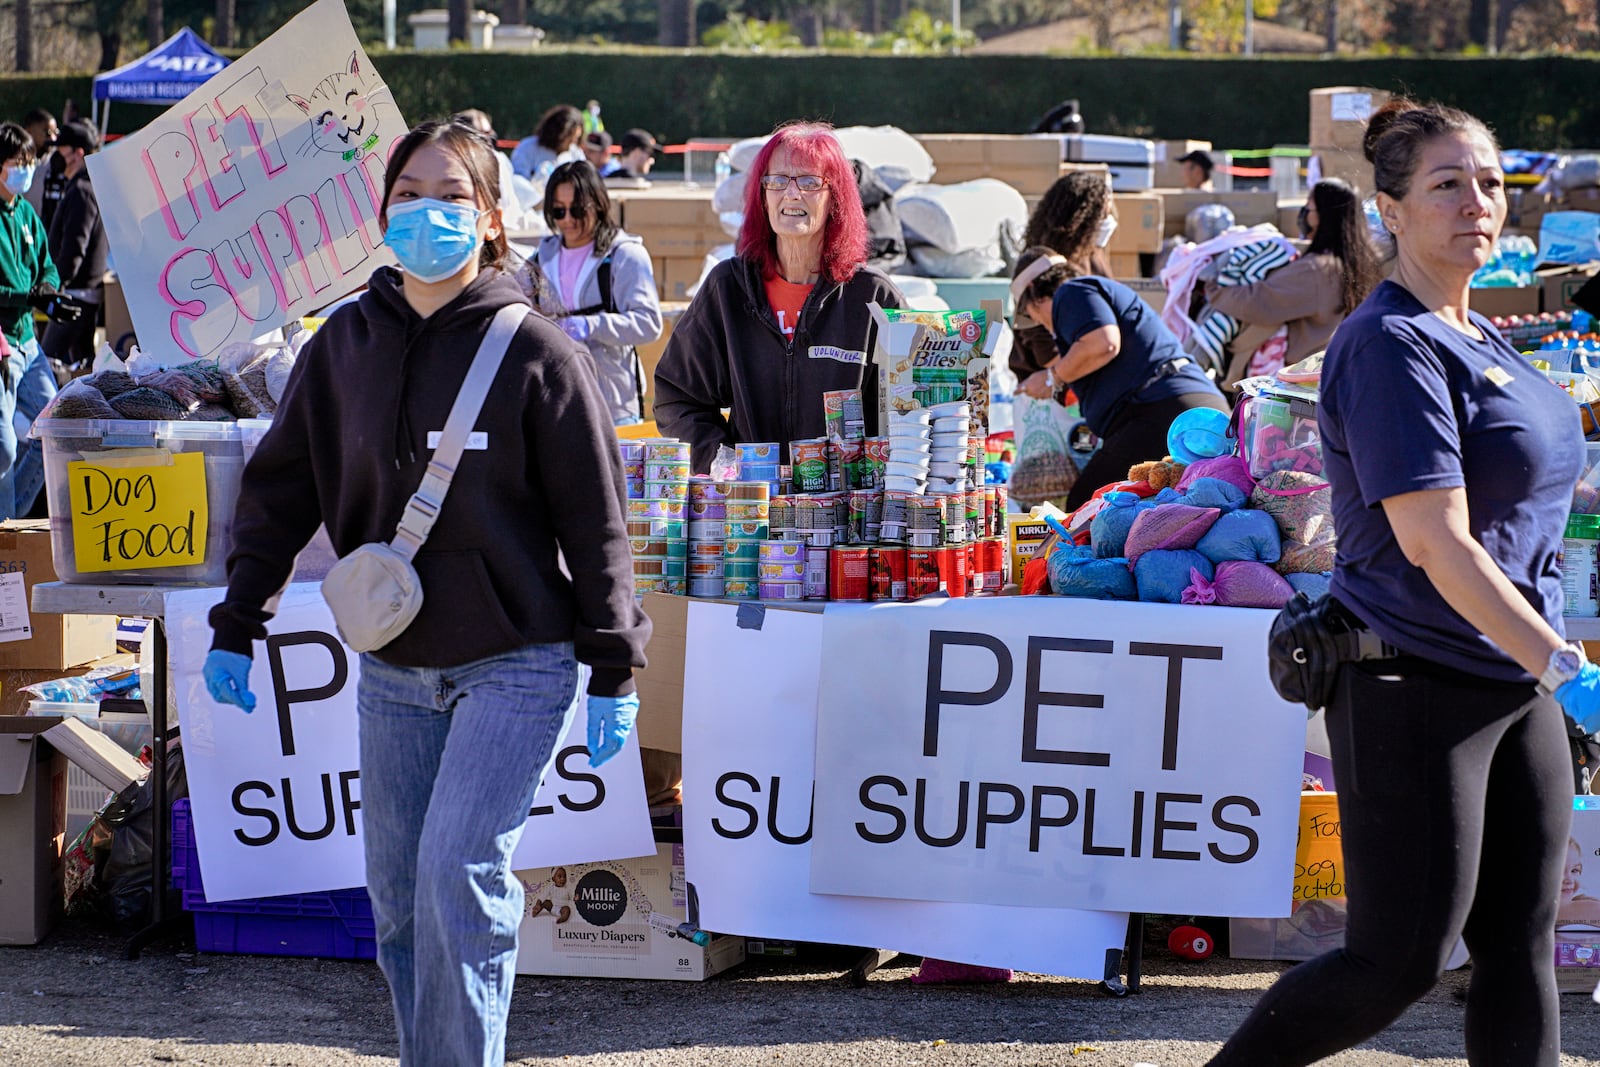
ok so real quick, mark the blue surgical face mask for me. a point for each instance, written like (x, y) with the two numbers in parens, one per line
(18, 178)
(432, 239)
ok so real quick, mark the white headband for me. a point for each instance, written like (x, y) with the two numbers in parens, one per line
(1020, 283)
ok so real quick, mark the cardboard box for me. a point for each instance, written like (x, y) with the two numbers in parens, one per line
(119, 323)
(1029, 164)
(1530, 208)
(33, 820)
(1559, 284)
(657, 207)
(1250, 208)
(1347, 164)
(1506, 301)
(668, 242)
(676, 275)
(660, 723)
(1578, 915)
(1024, 535)
(1289, 217)
(56, 641)
(1139, 223)
(1168, 171)
(1586, 199)
(1126, 265)
(1339, 114)
(611, 920)
(650, 354)
(1150, 290)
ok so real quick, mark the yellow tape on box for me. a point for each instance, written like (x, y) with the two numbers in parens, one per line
(137, 509)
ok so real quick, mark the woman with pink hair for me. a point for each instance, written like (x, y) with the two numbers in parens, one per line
(785, 320)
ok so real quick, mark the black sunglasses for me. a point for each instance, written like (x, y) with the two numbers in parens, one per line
(559, 213)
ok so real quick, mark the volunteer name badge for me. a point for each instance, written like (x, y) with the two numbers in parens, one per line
(138, 509)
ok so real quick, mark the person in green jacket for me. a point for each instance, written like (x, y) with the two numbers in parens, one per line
(28, 280)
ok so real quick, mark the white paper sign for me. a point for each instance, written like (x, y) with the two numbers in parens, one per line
(255, 200)
(14, 622)
(1051, 752)
(747, 767)
(1351, 107)
(276, 793)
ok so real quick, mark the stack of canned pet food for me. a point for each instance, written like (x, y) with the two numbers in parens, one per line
(657, 473)
(852, 528)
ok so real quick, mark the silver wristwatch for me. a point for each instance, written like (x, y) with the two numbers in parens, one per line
(1564, 665)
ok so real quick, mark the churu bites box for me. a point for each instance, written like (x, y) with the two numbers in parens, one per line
(936, 357)
(617, 919)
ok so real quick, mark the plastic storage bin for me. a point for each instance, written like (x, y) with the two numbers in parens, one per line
(317, 558)
(1280, 433)
(337, 925)
(70, 440)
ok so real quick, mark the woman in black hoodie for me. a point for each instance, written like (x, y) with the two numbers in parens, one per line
(459, 715)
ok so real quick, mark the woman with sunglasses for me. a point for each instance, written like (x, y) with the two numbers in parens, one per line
(602, 280)
(785, 320)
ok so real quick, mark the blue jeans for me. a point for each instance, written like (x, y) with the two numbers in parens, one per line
(22, 461)
(450, 761)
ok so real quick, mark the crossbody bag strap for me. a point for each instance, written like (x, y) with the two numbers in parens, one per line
(423, 508)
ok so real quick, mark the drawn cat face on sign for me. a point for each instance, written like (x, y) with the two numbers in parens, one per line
(343, 120)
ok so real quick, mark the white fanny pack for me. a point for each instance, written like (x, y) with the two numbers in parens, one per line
(374, 592)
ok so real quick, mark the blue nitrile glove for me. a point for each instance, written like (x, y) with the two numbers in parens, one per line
(1580, 698)
(227, 676)
(610, 723)
(577, 327)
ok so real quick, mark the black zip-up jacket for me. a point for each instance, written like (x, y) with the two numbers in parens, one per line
(78, 236)
(727, 351)
(349, 445)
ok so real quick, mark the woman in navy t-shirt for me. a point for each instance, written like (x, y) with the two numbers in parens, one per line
(1130, 375)
(1452, 462)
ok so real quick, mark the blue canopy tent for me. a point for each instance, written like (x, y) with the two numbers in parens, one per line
(181, 64)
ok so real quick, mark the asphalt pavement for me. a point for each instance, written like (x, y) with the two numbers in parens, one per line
(74, 1001)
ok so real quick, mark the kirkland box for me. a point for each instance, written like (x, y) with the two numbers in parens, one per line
(612, 920)
(43, 642)
(141, 503)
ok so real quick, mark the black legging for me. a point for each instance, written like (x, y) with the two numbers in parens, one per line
(1455, 802)
(1137, 434)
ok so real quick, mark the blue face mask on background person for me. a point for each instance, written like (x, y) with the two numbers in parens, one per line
(18, 178)
(432, 239)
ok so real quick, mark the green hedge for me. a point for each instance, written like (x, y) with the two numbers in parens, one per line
(1542, 102)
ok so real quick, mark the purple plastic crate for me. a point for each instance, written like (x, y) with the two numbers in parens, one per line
(336, 924)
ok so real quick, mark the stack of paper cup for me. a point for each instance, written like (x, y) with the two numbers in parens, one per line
(950, 445)
(910, 445)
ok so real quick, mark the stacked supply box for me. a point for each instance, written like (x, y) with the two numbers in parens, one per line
(1249, 208)
(679, 227)
(42, 642)
(1131, 160)
(141, 503)
(1339, 117)
(1168, 171)
(618, 919)
(1029, 164)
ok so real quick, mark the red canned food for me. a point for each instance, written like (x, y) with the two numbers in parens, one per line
(992, 562)
(888, 572)
(922, 572)
(953, 569)
(849, 573)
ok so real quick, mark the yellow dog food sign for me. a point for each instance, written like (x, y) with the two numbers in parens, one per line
(138, 510)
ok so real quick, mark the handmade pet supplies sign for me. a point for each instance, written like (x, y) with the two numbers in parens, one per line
(255, 200)
(142, 510)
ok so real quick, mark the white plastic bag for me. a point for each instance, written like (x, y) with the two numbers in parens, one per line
(1044, 468)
